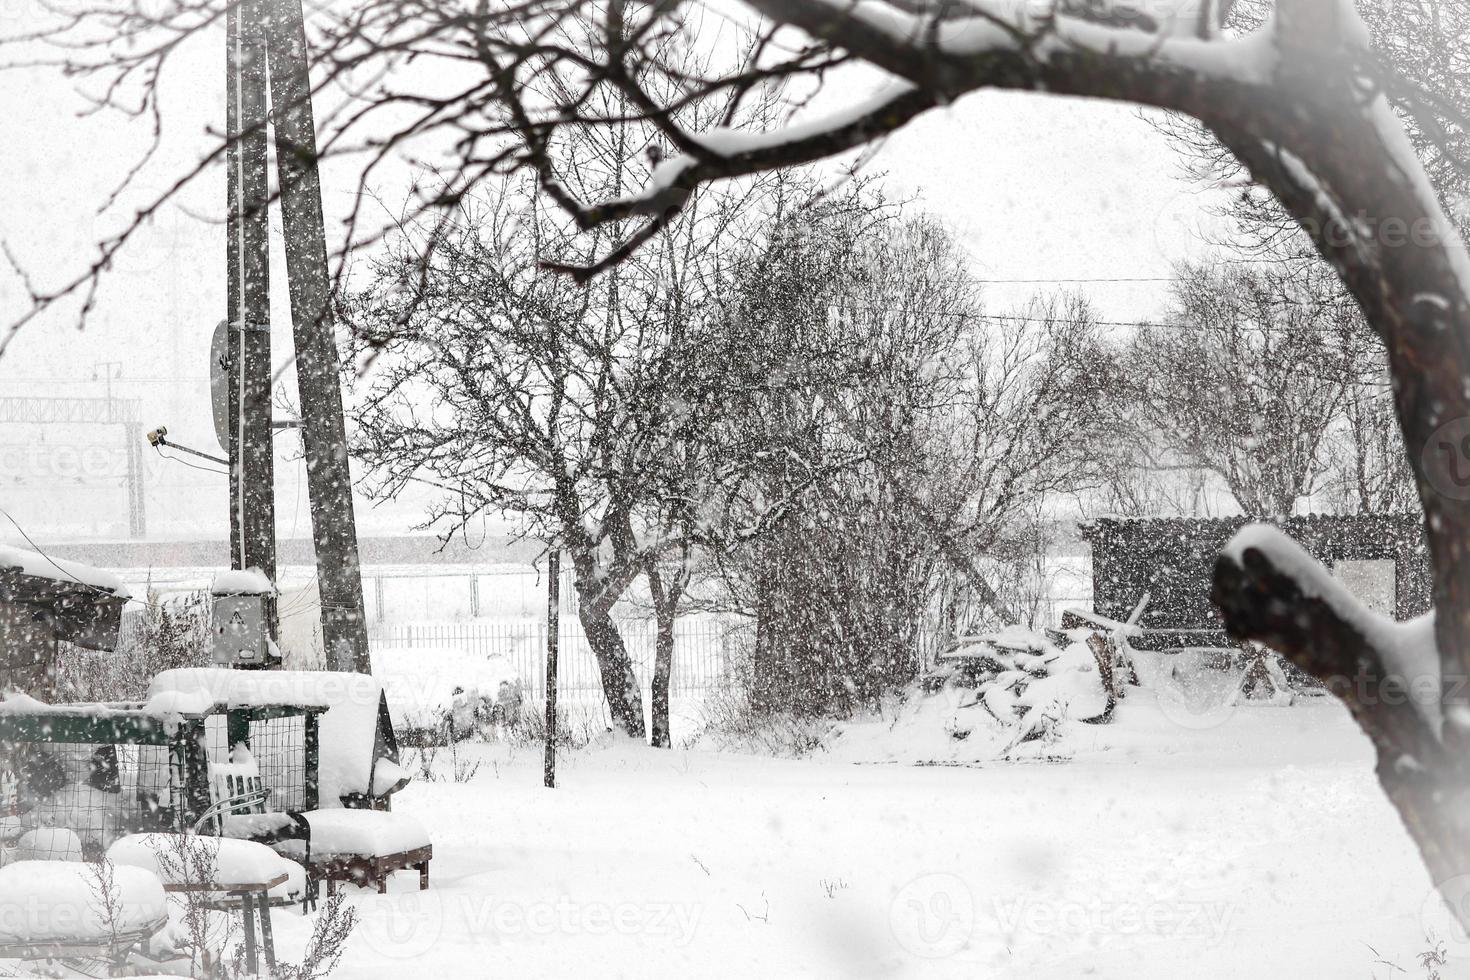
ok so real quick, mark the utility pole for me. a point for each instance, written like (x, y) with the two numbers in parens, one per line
(137, 512)
(553, 644)
(324, 431)
(251, 449)
(106, 371)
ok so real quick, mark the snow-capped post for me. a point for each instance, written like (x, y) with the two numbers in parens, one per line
(553, 638)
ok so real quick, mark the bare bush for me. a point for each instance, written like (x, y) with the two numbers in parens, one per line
(169, 632)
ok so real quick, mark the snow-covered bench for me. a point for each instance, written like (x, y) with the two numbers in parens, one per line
(54, 910)
(363, 847)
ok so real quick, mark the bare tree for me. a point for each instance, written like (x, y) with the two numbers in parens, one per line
(1423, 45)
(523, 394)
(892, 440)
(1242, 380)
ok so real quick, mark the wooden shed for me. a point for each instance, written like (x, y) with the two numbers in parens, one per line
(1382, 557)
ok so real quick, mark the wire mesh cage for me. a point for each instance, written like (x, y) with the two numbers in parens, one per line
(75, 778)
(276, 749)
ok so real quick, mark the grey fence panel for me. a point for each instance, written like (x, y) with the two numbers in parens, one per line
(701, 651)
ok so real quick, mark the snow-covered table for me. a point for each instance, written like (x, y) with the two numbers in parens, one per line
(55, 910)
(231, 874)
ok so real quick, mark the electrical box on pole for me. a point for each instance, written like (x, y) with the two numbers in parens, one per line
(239, 623)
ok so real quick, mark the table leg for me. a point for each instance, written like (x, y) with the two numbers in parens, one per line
(267, 941)
(247, 913)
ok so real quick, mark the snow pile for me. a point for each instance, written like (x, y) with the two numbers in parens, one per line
(340, 833)
(1007, 694)
(250, 581)
(49, 844)
(430, 688)
(45, 901)
(196, 860)
(43, 566)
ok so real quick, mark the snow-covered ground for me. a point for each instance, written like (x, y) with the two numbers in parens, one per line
(1257, 844)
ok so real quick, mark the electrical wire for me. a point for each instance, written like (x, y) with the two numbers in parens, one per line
(70, 577)
(192, 466)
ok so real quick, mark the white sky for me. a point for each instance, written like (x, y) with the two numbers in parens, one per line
(1037, 187)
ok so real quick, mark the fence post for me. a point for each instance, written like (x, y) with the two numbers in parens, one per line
(553, 641)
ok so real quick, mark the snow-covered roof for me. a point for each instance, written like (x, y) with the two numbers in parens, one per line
(258, 688)
(57, 570)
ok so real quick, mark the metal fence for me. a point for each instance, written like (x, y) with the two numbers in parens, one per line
(701, 651)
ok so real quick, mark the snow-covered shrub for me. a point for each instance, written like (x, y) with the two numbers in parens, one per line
(440, 695)
(169, 632)
(732, 723)
(576, 727)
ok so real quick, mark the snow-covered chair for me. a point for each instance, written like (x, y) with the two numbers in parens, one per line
(346, 831)
(239, 811)
(35, 894)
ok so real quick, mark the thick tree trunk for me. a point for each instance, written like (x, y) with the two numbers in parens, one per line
(667, 592)
(324, 429)
(619, 683)
(663, 672)
(1388, 674)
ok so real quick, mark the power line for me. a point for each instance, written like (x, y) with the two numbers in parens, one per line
(70, 577)
(1026, 318)
(1088, 279)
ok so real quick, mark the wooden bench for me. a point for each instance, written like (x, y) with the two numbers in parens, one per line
(362, 847)
(364, 869)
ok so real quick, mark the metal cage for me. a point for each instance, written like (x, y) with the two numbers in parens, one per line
(74, 778)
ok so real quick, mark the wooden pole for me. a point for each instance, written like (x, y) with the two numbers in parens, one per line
(234, 281)
(553, 637)
(323, 429)
(252, 450)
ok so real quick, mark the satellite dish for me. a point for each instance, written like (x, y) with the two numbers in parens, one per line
(219, 383)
